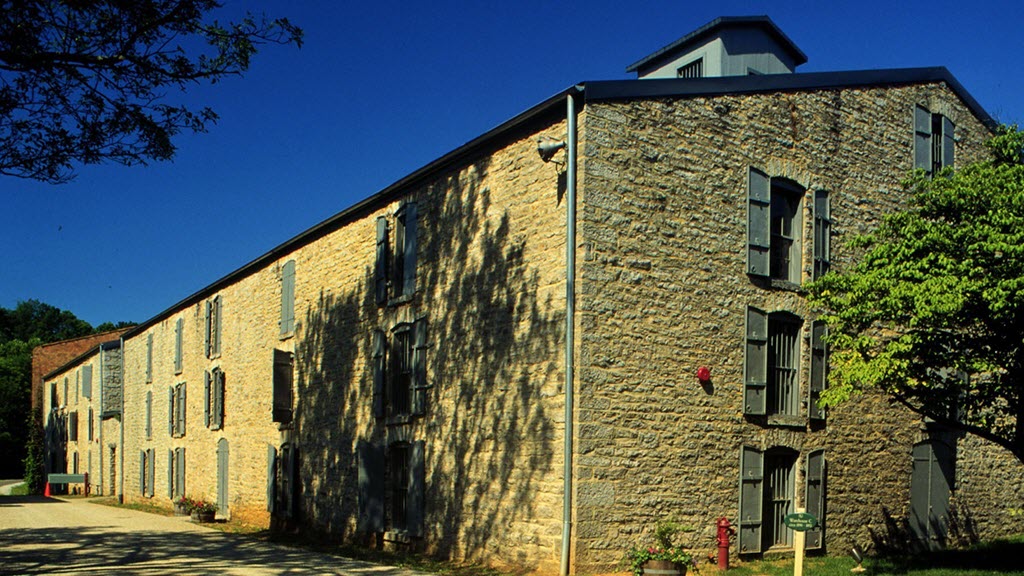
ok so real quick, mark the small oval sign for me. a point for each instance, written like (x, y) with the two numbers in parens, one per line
(801, 521)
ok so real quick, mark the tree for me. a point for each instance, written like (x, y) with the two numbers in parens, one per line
(934, 312)
(86, 81)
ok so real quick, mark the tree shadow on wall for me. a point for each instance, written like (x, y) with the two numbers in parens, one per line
(493, 357)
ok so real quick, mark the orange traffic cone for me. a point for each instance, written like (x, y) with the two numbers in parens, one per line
(46, 492)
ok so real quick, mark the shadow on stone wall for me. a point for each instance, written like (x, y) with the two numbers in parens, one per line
(896, 538)
(494, 344)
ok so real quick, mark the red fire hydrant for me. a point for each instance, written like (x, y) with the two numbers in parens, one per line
(725, 531)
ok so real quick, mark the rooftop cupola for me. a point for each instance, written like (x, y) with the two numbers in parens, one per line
(726, 46)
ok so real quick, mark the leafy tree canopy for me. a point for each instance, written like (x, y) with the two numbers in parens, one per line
(86, 81)
(934, 312)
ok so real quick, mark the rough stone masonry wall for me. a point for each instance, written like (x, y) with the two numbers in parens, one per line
(664, 291)
(490, 279)
(86, 450)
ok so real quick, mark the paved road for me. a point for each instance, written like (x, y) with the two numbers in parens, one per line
(55, 536)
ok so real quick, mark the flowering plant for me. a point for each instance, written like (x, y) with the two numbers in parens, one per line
(196, 505)
(664, 549)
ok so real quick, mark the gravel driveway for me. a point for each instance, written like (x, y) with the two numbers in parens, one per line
(75, 536)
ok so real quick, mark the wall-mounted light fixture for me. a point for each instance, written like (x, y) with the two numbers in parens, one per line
(547, 147)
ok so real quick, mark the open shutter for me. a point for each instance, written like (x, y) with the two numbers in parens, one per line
(149, 358)
(180, 470)
(814, 500)
(751, 499)
(208, 338)
(142, 472)
(417, 482)
(217, 315)
(181, 408)
(288, 297)
(419, 367)
(922, 139)
(822, 234)
(170, 411)
(381, 268)
(409, 267)
(948, 141)
(378, 373)
(170, 474)
(87, 381)
(291, 474)
(819, 369)
(218, 399)
(149, 414)
(370, 459)
(207, 383)
(758, 222)
(151, 460)
(271, 478)
(755, 364)
(179, 328)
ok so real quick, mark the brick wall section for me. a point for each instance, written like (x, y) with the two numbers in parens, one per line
(49, 357)
(490, 280)
(664, 291)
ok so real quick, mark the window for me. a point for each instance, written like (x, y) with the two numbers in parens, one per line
(213, 332)
(53, 395)
(934, 140)
(283, 368)
(391, 487)
(176, 473)
(399, 371)
(179, 328)
(819, 369)
(771, 373)
(87, 381)
(822, 256)
(65, 396)
(395, 271)
(694, 69)
(89, 426)
(773, 227)
(768, 493)
(282, 480)
(149, 358)
(73, 426)
(147, 471)
(287, 298)
(213, 403)
(176, 410)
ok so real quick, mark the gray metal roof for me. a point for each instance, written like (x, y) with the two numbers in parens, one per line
(710, 28)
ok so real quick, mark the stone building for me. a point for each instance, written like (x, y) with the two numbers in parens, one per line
(49, 357)
(403, 374)
(81, 403)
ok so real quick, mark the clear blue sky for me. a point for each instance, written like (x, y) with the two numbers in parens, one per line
(381, 88)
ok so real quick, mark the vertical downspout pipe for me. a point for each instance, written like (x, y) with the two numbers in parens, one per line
(99, 388)
(119, 489)
(570, 321)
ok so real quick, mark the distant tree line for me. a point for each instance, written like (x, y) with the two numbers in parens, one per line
(31, 323)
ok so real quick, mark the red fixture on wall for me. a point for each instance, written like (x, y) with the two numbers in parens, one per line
(703, 374)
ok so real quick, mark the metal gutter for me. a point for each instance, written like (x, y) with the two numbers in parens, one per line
(570, 326)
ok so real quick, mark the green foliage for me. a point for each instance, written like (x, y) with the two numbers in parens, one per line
(933, 312)
(89, 81)
(35, 457)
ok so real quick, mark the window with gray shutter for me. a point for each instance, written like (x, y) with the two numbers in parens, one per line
(381, 267)
(419, 367)
(758, 223)
(407, 224)
(170, 474)
(814, 499)
(87, 381)
(922, 139)
(151, 472)
(783, 364)
(379, 373)
(288, 298)
(222, 477)
(755, 365)
(751, 500)
(171, 409)
(217, 416)
(142, 472)
(213, 323)
(179, 481)
(822, 234)
(207, 398)
(181, 409)
(819, 369)
(73, 426)
(282, 401)
(948, 142)
(400, 372)
(179, 328)
(149, 415)
(370, 461)
(89, 425)
(271, 478)
(149, 358)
